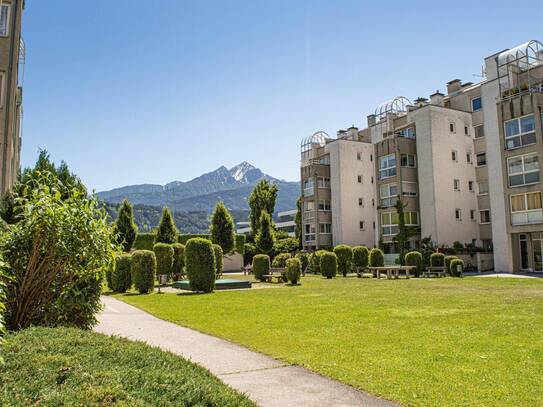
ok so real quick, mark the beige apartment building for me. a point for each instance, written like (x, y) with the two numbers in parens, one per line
(12, 58)
(465, 164)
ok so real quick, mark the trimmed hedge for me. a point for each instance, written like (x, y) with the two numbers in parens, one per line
(448, 260)
(183, 239)
(178, 260)
(376, 258)
(454, 264)
(361, 256)
(304, 260)
(200, 264)
(144, 241)
(437, 260)
(261, 265)
(164, 259)
(294, 270)
(328, 264)
(344, 255)
(143, 266)
(281, 260)
(217, 251)
(121, 280)
(414, 259)
(315, 261)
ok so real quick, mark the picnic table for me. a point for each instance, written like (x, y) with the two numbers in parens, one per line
(392, 271)
(434, 272)
(275, 273)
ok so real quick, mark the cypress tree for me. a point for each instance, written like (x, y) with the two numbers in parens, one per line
(265, 238)
(262, 198)
(222, 228)
(125, 226)
(167, 231)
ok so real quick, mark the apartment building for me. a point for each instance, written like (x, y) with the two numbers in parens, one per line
(465, 165)
(12, 58)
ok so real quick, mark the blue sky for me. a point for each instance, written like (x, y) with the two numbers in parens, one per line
(131, 91)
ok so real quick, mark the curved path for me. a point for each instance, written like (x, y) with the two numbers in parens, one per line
(266, 381)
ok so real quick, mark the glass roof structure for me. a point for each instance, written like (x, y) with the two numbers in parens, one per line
(397, 105)
(316, 139)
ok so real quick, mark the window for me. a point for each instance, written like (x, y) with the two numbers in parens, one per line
(454, 155)
(4, 20)
(359, 156)
(456, 184)
(387, 166)
(466, 130)
(479, 131)
(325, 228)
(476, 104)
(523, 170)
(520, 132)
(325, 160)
(360, 179)
(458, 214)
(470, 186)
(484, 216)
(324, 205)
(407, 133)
(468, 157)
(408, 160)
(388, 194)
(362, 225)
(483, 187)
(309, 206)
(309, 233)
(526, 208)
(323, 182)
(409, 188)
(481, 159)
(308, 187)
(361, 202)
(411, 218)
(472, 214)
(389, 223)
(452, 127)
(2, 89)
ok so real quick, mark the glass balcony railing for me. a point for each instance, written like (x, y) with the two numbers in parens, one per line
(527, 217)
(309, 191)
(310, 237)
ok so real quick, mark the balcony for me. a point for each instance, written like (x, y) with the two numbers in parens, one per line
(309, 191)
(527, 217)
(310, 237)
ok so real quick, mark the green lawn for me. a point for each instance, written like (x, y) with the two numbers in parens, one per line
(471, 341)
(69, 367)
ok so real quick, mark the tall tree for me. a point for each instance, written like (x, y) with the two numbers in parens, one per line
(222, 228)
(265, 237)
(404, 232)
(262, 198)
(125, 226)
(167, 231)
(298, 222)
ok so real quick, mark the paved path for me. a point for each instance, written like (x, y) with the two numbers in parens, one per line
(268, 382)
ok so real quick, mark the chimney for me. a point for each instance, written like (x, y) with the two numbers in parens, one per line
(371, 120)
(454, 85)
(437, 98)
(420, 102)
(352, 132)
(341, 134)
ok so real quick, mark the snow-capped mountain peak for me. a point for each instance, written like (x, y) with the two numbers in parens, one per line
(240, 172)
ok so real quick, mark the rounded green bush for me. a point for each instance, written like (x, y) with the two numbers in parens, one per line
(328, 264)
(261, 265)
(164, 259)
(178, 260)
(361, 256)
(344, 255)
(143, 266)
(217, 251)
(121, 280)
(454, 265)
(200, 264)
(376, 258)
(315, 261)
(281, 260)
(304, 260)
(448, 260)
(109, 275)
(414, 259)
(437, 260)
(294, 270)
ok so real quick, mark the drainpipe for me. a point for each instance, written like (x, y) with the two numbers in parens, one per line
(10, 75)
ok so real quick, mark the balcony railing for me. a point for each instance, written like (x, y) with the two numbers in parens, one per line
(310, 237)
(527, 217)
(309, 191)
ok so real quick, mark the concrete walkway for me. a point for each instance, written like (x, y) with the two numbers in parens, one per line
(268, 382)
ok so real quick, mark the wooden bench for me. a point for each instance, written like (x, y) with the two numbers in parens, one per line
(392, 271)
(360, 271)
(275, 273)
(434, 272)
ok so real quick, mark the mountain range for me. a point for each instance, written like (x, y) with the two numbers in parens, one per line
(232, 186)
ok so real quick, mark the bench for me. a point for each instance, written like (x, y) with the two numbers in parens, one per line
(392, 271)
(269, 278)
(360, 271)
(247, 269)
(275, 273)
(434, 272)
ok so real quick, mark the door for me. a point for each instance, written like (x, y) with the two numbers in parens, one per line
(537, 243)
(524, 253)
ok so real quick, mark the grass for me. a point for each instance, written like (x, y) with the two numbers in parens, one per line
(69, 367)
(454, 342)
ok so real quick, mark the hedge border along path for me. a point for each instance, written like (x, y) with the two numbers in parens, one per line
(64, 366)
(267, 381)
